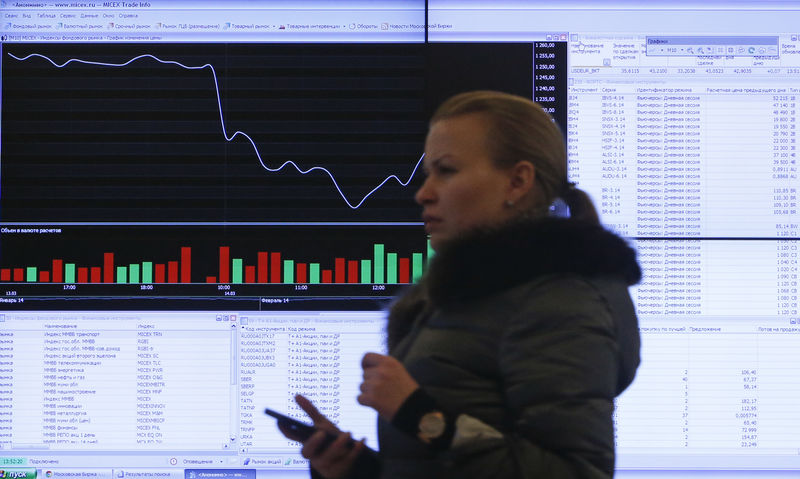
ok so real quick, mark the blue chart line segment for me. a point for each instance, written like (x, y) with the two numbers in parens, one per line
(222, 122)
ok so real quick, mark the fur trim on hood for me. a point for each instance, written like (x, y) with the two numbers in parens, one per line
(486, 262)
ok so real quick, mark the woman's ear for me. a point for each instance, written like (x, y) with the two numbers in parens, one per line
(523, 178)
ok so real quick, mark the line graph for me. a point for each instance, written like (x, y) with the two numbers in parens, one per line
(231, 137)
(312, 133)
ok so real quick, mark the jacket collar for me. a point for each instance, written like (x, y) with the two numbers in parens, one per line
(489, 261)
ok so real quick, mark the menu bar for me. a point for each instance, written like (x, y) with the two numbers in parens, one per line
(213, 25)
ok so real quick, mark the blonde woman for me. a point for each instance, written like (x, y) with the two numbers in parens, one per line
(505, 359)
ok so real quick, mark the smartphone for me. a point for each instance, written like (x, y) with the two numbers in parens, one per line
(300, 429)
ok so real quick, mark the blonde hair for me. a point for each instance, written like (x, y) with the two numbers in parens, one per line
(520, 130)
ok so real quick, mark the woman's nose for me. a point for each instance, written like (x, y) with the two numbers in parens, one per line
(424, 194)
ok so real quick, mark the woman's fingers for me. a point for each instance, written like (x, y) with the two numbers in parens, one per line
(317, 417)
(312, 448)
(332, 460)
(309, 408)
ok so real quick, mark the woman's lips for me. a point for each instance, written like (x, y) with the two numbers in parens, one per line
(430, 222)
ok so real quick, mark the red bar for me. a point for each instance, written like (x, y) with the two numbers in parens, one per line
(160, 270)
(83, 275)
(108, 267)
(263, 262)
(5, 274)
(327, 275)
(275, 268)
(249, 274)
(58, 271)
(172, 271)
(211, 279)
(404, 276)
(302, 273)
(44, 276)
(338, 269)
(94, 274)
(186, 264)
(224, 264)
(352, 271)
(19, 275)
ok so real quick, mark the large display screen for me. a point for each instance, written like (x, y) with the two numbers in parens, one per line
(205, 210)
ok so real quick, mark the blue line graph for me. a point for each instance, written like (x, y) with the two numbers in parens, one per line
(236, 133)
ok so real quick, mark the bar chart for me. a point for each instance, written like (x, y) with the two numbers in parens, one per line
(249, 255)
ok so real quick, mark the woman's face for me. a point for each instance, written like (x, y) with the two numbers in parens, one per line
(463, 189)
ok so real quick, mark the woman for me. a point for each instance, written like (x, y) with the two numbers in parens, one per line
(506, 357)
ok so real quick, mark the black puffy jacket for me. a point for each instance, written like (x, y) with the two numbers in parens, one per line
(527, 334)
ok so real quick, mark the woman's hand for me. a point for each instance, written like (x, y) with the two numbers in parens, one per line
(335, 460)
(386, 384)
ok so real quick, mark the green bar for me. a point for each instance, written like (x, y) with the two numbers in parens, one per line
(378, 259)
(133, 273)
(416, 267)
(31, 274)
(366, 271)
(122, 274)
(237, 270)
(314, 273)
(431, 252)
(391, 268)
(288, 271)
(147, 272)
(69, 272)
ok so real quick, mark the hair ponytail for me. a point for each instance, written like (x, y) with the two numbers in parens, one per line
(580, 205)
